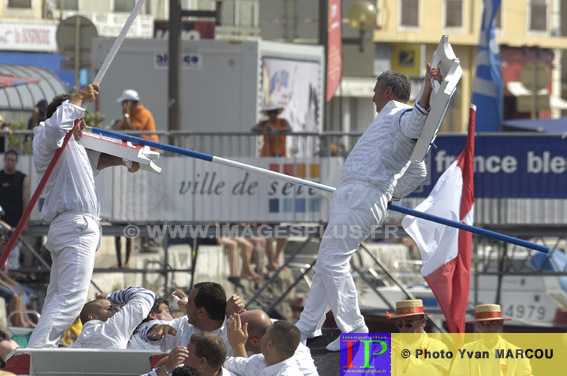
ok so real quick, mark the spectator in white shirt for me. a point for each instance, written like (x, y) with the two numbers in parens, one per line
(206, 353)
(205, 309)
(161, 313)
(106, 328)
(278, 346)
(258, 323)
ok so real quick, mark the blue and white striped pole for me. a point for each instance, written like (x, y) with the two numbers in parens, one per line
(322, 187)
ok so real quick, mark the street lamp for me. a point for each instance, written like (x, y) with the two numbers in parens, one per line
(362, 17)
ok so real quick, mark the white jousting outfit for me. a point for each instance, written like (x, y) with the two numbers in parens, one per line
(115, 332)
(370, 175)
(72, 207)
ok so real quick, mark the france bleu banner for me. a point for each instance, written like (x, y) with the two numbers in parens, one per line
(487, 87)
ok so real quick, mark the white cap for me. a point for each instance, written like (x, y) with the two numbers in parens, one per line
(128, 95)
(272, 107)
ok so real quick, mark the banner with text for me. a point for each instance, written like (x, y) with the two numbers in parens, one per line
(506, 166)
(196, 191)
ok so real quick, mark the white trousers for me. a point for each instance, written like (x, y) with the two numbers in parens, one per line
(72, 241)
(355, 210)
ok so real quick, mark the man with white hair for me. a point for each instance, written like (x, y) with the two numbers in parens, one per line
(376, 171)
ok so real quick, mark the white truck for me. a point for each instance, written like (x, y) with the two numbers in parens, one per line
(224, 84)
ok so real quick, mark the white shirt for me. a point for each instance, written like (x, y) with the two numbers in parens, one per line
(137, 342)
(304, 361)
(71, 186)
(184, 332)
(117, 330)
(382, 154)
(256, 365)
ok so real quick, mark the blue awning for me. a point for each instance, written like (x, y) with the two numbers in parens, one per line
(44, 85)
(48, 61)
(553, 126)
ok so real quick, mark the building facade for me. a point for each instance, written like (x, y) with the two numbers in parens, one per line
(527, 31)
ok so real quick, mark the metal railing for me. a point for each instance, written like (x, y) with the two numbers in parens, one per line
(226, 144)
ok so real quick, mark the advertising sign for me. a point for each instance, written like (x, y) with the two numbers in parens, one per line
(27, 37)
(295, 86)
(506, 166)
(408, 59)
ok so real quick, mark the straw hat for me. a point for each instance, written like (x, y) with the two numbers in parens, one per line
(272, 107)
(129, 95)
(407, 308)
(488, 312)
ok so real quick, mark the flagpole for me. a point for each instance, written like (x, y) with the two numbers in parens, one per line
(35, 197)
(307, 183)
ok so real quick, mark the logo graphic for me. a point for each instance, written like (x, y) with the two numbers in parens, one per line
(290, 198)
(366, 353)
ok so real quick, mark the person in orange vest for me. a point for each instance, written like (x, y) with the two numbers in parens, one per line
(274, 144)
(136, 116)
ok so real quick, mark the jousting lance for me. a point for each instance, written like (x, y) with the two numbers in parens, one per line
(322, 187)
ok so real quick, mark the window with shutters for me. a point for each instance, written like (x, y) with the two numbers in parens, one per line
(124, 5)
(409, 13)
(19, 4)
(68, 4)
(453, 13)
(538, 15)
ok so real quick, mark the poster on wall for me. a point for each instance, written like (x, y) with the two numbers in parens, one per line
(296, 87)
(408, 59)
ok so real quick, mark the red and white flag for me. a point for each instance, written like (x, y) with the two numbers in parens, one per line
(446, 251)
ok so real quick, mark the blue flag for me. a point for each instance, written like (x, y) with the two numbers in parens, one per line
(487, 87)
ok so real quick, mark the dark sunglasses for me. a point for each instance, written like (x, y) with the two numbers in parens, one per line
(406, 324)
(273, 112)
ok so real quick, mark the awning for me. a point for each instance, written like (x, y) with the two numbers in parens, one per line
(518, 89)
(558, 103)
(553, 126)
